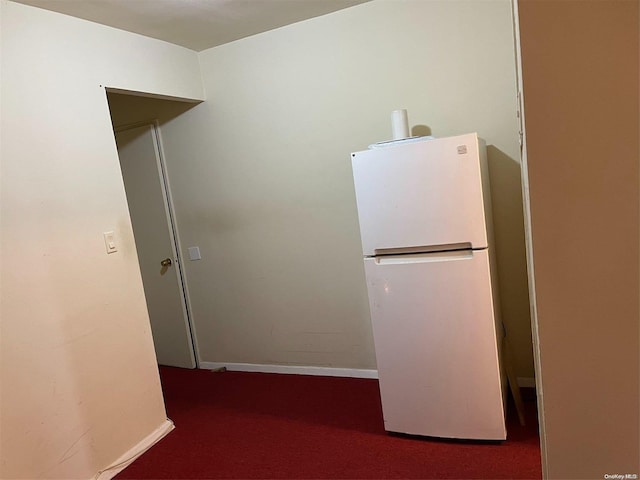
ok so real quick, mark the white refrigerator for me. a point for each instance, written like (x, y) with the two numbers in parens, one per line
(425, 222)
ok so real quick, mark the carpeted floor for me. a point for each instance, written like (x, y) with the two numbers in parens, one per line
(253, 425)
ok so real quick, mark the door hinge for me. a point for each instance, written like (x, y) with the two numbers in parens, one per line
(520, 120)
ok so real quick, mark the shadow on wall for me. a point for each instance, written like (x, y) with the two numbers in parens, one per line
(508, 221)
(420, 131)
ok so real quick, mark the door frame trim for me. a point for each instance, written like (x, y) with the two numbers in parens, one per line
(533, 305)
(173, 231)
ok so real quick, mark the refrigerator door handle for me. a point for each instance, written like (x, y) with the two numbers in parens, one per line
(424, 249)
(425, 257)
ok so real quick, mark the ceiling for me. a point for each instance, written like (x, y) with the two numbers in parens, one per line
(195, 24)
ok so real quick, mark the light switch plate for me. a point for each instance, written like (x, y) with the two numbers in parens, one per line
(110, 242)
(194, 253)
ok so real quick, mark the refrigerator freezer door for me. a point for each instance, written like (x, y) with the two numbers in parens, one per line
(421, 194)
(435, 339)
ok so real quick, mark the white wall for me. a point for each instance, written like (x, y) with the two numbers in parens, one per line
(79, 380)
(262, 180)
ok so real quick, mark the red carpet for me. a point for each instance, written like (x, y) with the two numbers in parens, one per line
(254, 425)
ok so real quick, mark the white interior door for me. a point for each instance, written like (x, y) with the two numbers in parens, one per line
(149, 207)
(435, 337)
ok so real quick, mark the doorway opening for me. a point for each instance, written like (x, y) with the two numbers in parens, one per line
(137, 123)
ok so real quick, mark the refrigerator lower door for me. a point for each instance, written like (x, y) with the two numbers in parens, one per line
(435, 339)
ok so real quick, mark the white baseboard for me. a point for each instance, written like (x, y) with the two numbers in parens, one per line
(129, 457)
(526, 382)
(292, 369)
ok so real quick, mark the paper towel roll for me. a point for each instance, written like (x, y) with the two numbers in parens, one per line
(400, 124)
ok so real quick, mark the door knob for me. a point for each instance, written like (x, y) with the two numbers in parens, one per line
(166, 262)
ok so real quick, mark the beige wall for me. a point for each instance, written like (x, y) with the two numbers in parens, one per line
(262, 180)
(580, 74)
(79, 381)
